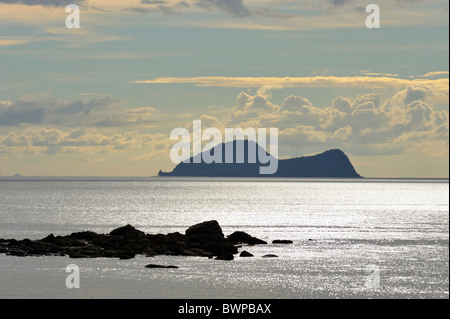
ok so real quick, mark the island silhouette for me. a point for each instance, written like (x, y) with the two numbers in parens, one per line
(329, 164)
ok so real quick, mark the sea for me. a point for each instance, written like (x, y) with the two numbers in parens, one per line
(352, 238)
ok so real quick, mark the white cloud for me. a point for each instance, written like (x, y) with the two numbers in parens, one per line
(49, 3)
(364, 125)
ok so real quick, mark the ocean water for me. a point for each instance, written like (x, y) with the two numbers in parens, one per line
(352, 238)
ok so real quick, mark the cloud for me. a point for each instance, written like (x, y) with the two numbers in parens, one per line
(153, 1)
(96, 112)
(235, 8)
(267, 13)
(364, 125)
(47, 3)
(162, 9)
(436, 73)
(10, 41)
(365, 72)
(38, 140)
(415, 93)
(289, 82)
(168, 8)
(339, 3)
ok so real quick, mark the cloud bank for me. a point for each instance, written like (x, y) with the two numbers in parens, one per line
(46, 3)
(365, 125)
(289, 82)
(97, 112)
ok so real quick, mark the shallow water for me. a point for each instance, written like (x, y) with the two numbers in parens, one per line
(399, 227)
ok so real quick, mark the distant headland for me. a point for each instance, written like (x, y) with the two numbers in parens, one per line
(329, 164)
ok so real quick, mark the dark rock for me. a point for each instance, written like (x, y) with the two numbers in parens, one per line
(206, 231)
(197, 252)
(204, 240)
(86, 235)
(126, 255)
(245, 254)
(240, 237)
(79, 243)
(150, 253)
(161, 266)
(128, 231)
(270, 256)
(225, 257)
(49, 239)
(282, 241)
(17, 252)
(77, 254)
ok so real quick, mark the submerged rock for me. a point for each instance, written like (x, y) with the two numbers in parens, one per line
(270, 256)
(227, 256)
(161, 266)
(245, 253)
(282, 241)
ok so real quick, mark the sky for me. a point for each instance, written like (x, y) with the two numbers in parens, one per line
(102, 99)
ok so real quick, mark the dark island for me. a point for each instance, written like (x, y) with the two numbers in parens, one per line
(329, 164)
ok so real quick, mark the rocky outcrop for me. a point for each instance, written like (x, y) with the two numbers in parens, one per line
(202, 240)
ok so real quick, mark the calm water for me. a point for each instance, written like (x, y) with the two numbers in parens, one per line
(399, 227)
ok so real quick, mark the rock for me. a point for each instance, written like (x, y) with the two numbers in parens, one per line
(245, 253)
(240, 237)
(78, 255)
(270, 256)
(127, 230)
(161, 266)
(196, 252)
(225, 257)
(79, 242)
(204, 239)
(86, 235)
(209, 230)
(126, 255)
(282, 241)
(150, 253)
(49, 239)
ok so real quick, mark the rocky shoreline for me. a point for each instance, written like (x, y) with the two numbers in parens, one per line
(202, 240)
